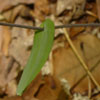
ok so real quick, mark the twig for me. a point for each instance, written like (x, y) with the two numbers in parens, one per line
(81, 60)
(91, 70)
(86, 61)
(56, 27)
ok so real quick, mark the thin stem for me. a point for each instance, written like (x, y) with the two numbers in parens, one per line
(91, 70)
(81, 60)
(56, 27)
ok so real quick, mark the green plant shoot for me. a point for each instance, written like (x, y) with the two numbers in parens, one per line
(43, 41)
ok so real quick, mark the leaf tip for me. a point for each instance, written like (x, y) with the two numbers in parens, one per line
(19, 91)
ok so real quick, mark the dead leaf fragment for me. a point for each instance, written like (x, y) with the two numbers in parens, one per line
(33, 87)
(1, 38)
(7, 4)
(6, 39)
(67, 66)
(75, 31)
(7, 80)
(12, 98)
(22, 39)
(98, 8)
(69, 5)
(41, 9)
(11, 14)
(47, 92)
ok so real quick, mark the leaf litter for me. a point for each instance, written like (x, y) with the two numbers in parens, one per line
(16, 44)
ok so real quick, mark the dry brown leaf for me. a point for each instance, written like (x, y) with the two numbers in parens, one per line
(51, 90)
(17, 98)
(3, 68)
(29, 92)
(91, 11)
(11, 14)
(33, 87)
(96, 97)
(12, 98)
(65, 63)
(1, 37)
(53, 1)
(22, 40)
(41, 9)
(69, 5)
(10, 75)
(26, 12)
(7, 4)
(67, 66)
(7, 76)
(11, 88)
(75, 31)
(6, 39)
(98, 8)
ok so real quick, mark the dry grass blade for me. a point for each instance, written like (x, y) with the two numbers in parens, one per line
(81, 60)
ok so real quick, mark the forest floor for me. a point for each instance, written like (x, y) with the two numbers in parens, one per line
(62, 77)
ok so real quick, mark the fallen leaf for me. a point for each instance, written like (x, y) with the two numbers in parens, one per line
(11, 88)
(17, 98)
(7, 4)
(41, 9)
(11, 14)
(92, 8)
(98, 8)
(33, 87)
(7, 80)
(67, 66)
(51, 90)
(12, 98)
(75, 31)
(22, 40)
(3, 70)
(69, 5)
(1, 37)
(6, 39)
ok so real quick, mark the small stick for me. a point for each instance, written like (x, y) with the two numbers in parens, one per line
(81, 60)
(56, 27)
(91, 70)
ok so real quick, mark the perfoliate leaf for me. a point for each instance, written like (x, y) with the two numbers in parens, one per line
(43, 41)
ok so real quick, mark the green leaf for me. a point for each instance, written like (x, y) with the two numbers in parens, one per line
(43, 41)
